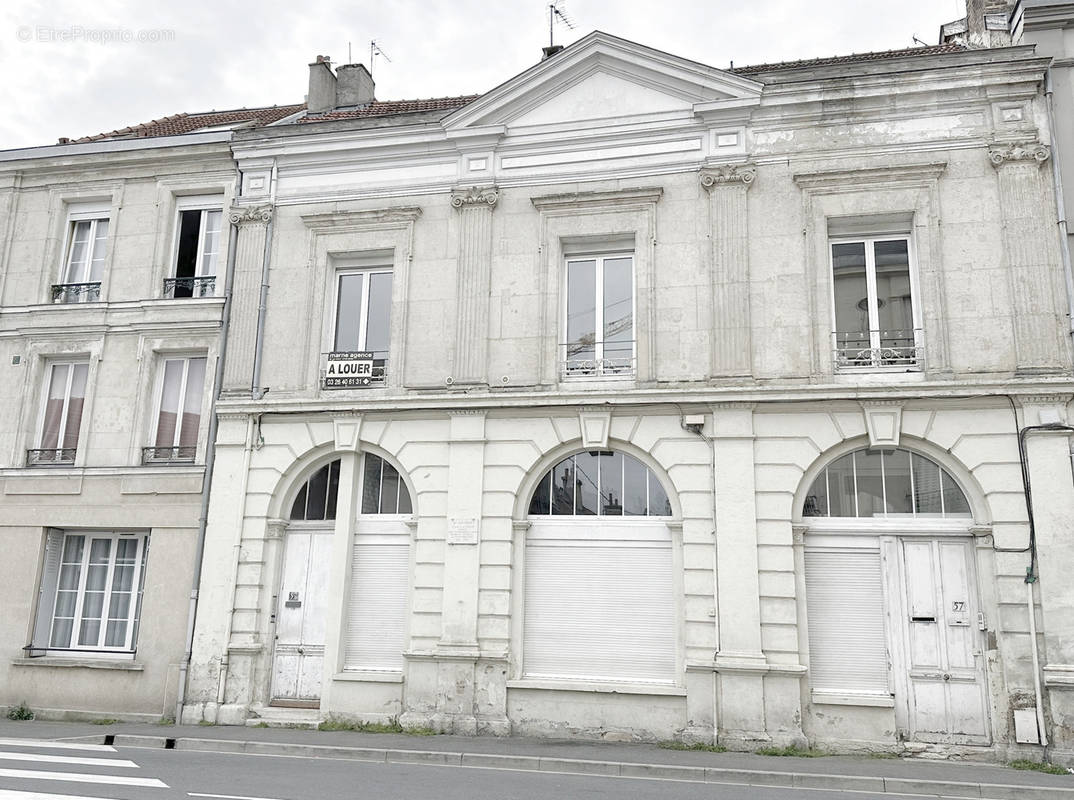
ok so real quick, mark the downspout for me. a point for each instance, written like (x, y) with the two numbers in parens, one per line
(210, 460)
(1060, 204)
(256, 391)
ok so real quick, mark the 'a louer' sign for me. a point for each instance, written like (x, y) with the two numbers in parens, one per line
(348, 369)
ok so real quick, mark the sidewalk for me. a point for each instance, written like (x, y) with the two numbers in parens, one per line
(851, 773)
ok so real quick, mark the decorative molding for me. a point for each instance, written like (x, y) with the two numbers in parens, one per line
(856, 180)
(275, 528)
(479, 196)
(588, 200)
(1058, 399)
(1059, 676)
(245, 215)
(346, 428)
(728, 175)
(595, 425)
(1000, 154)
(883, 421)
(371, 218)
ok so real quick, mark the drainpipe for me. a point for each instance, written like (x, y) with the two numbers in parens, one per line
(255, 384)
(210, 460)
(1060, 204)
(1036, 665)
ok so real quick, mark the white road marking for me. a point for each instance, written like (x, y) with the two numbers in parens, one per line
(80, 777)
(11, 794)
(100, 748)
(223, 796)
(102, 762)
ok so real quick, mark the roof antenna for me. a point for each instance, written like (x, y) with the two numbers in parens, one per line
(374, 51)
(918, 41)
(556, 14)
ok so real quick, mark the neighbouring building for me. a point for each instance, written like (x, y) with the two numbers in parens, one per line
(638, 398)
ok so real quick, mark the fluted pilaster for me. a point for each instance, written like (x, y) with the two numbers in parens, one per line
(475, 208)
(253, 225)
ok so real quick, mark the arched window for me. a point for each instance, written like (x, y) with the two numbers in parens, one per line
(316, 500)
(383, 491)
(600, 483)
(599, 574)
(885, 483)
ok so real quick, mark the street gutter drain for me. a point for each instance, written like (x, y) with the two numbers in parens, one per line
(169, 744)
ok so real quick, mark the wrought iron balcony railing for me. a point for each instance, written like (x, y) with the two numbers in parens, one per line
(901, 349)
(617, 360)
(51, 456)
(201, 286)
(76, 292)
(183, 454)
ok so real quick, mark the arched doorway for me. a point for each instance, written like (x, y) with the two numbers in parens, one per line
(599, 598)
(891, 594)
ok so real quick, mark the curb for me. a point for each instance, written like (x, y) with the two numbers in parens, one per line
(618, 769)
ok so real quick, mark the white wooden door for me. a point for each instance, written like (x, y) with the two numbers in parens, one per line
(944, 683)
(298, 661)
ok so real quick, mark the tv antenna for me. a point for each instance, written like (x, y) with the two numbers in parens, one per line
(374, 51)
(557, 14)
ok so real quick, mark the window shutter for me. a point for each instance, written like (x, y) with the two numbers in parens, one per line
(599, 602)
(377, 608)
(46, 595)
(847, 646)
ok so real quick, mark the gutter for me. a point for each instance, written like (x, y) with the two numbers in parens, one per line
(1060, 204)
(256, 391)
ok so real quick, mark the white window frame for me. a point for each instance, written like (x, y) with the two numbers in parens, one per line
(43, 407)
(363, 323)
(598, 368)
(186, 358)
(202, 203)
(873, 358)
(50, 595)
(94, 213)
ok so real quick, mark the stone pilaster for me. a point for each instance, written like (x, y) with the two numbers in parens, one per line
(730, 275)
(474, 268)
(253, 224)
(1028, 241)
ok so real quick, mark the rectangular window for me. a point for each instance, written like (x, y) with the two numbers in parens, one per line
(178, 412)
(875, 317)
(363, 316)
(599, 316)
(83, 266)
(197, 253)
(91, 592)
(61, 416)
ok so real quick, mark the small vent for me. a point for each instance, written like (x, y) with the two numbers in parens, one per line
(169, 744)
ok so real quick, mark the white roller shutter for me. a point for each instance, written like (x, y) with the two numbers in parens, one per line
(845, 608)
(377, 606)
(599, 602)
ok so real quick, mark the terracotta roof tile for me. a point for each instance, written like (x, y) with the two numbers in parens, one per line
(187, 123)
(381, 108)
(853, 58)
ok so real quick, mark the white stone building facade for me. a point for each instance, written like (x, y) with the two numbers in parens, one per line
(639, 398)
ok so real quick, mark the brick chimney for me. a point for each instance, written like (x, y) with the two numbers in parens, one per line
(987, 23)
(322, 92)
(354, 85)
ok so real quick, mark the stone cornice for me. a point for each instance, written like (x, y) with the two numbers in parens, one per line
(728, 175)
(480, 196)
(246, 215)
(1000, 154)
(852, 180)
(582, 200)
(373, 217)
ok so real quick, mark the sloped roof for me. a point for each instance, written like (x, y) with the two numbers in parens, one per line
(382, 108)
(853, 58)
(186, 123)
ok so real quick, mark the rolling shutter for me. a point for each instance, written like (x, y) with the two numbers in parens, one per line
(599, 602)
(377, 606)
(845, 608)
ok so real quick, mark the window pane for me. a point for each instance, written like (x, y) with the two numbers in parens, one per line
(349, 312)
(611, 484)
(870, 483)
(79, 373)
(896, 317)
(169, 402)
(57, 392)
(926, 486)
(186, 258)
(191, 420)
(389, 490)
(371, 484)
(298, 508)
(841, 486)
(585, 483)
(379, 308)
(619, 311)
(541, 501)
(954, 501)
(563, 487)
(80, 244)
(405, 506)
(333, 490)
(659, 505)
(816, 502)
(851, 296)
(317, 494)
(61, 632)
(99, 243)
(897, 482)
(116, 633)
(635, 488)
(210, 248)
(581, 310)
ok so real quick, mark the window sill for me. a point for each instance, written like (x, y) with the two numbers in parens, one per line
(84, 663)
(882, 376)
(604, 687)
(838, 699)
(369, 676)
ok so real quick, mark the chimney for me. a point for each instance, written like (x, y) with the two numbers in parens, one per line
(988, 23)
(322, 93)
(354, 85)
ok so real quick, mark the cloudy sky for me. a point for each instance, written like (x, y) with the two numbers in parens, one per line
(72, 68)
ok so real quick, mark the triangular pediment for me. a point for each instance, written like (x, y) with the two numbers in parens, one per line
(605, 77)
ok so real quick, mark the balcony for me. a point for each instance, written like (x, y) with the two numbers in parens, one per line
(184, 454)
(598, 360)
(201, 286)
(76, 292)
(51, 457)
(354, 370)
(890, 351)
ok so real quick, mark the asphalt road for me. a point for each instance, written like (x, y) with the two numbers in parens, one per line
(36, 770)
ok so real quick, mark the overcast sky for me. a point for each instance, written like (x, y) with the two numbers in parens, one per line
(73, 68)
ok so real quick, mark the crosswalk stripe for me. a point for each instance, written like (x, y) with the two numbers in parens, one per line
(12, 794)
(80, 777)
(93, 762)
(100, 748)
